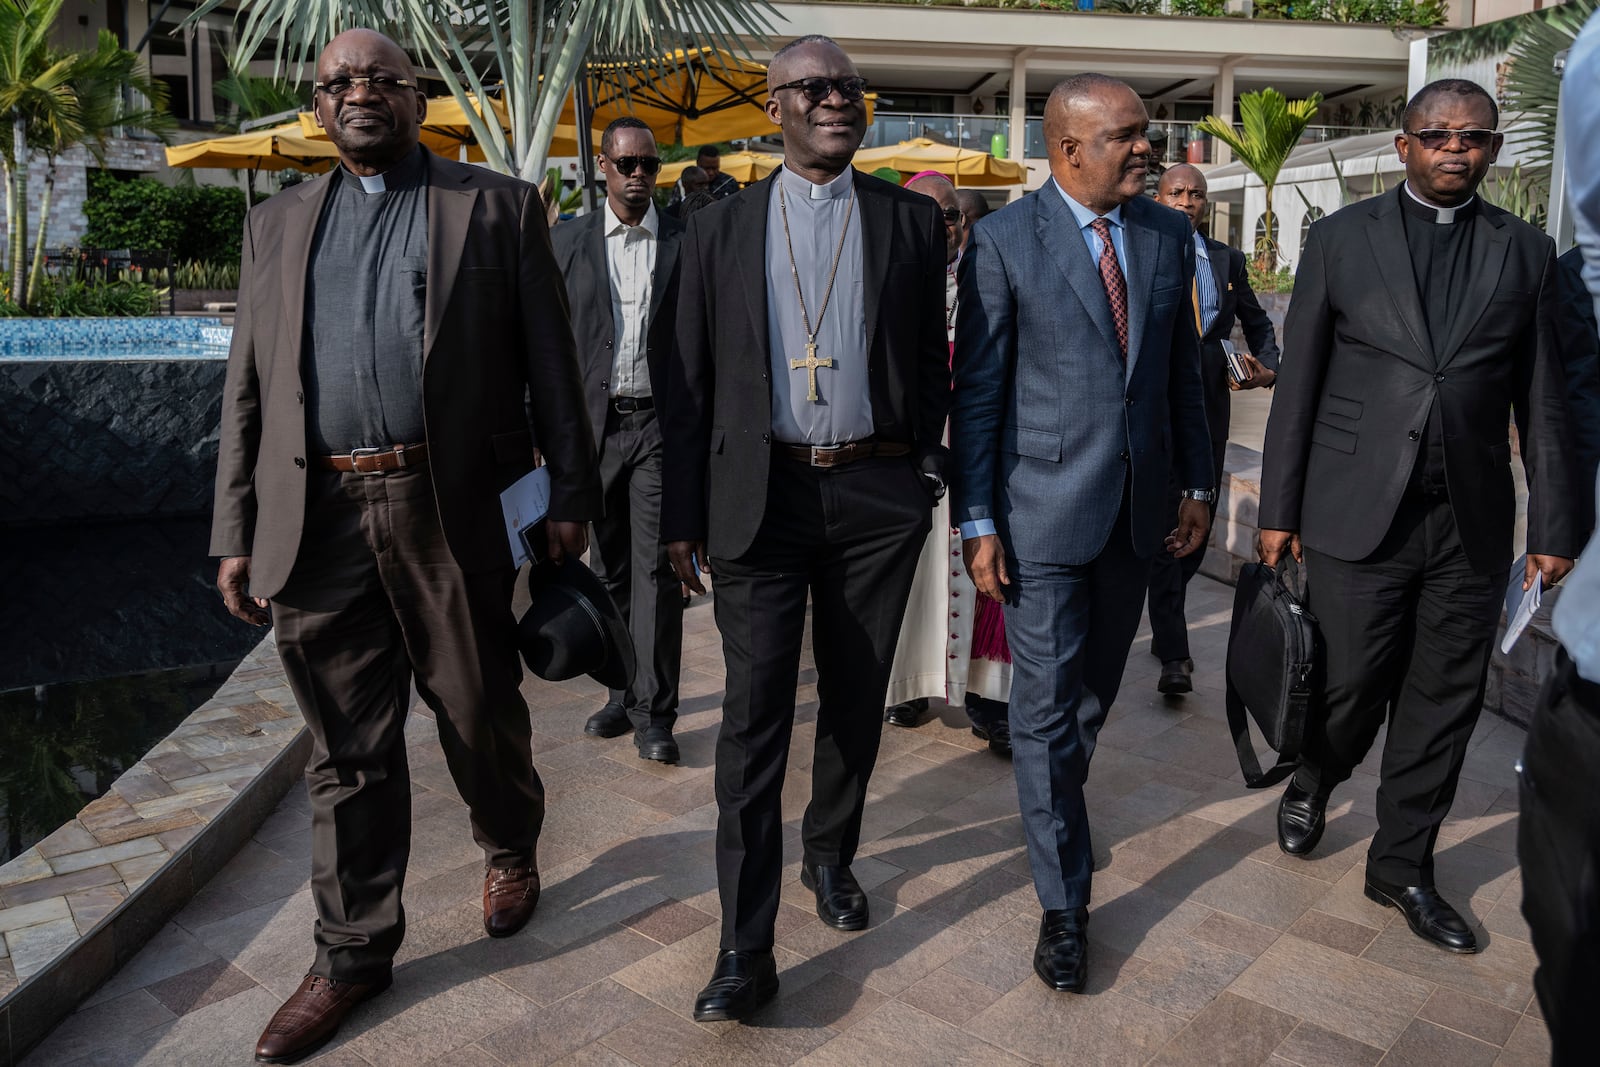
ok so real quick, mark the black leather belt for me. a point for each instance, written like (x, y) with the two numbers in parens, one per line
(839, 455)
(627, 405)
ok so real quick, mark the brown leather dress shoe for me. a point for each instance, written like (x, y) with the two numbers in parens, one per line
(509, 897)
(311, 1017)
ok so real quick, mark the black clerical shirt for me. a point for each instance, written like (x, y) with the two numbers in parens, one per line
(364, 311)
(1440, 241)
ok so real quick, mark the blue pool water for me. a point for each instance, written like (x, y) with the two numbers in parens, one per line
(189, 337)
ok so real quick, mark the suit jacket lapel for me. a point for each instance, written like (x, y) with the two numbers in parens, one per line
(876, 220)
(1218, 259)
(1058, 234)
(594, 253)
(1387, 236)
(667, 235)
(450, 203)
(1489, 252)
(299, 227)
(1143, 246)
(749, 228)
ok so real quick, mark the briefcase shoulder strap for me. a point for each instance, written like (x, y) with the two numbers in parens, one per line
(1239, 726)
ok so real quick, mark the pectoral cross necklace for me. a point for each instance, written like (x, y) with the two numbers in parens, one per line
(811, 362)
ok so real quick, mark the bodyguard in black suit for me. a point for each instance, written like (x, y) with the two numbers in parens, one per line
(1221, 296)
(1580, 359)
(806, 401)
(621, 270)
(1418, 319)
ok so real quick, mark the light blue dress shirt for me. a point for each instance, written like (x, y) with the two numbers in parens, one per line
(1085, 218)
(1577, 615)
(1205, 283)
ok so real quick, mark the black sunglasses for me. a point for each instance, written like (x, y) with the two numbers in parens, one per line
(1433, 140)
(952, 215)
(819, 89)
(626, 165)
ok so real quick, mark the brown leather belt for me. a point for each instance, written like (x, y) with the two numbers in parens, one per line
(838, 455)
(377, 460)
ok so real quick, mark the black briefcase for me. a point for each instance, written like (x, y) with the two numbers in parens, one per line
(1273, 652)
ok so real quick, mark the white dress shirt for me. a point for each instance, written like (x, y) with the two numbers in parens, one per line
(631, 264)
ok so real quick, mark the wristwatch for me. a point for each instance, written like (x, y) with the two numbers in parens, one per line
(1205, 496)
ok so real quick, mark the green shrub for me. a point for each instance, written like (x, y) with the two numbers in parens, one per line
(1278, 281)
(74, 297)
(201, 223)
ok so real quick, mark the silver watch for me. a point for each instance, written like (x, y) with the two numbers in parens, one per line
(1205, 496)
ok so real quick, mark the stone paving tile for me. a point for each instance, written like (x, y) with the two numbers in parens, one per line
(1207, 945)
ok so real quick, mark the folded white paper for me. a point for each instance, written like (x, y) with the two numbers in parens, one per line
(1520, 603)
(524, 504)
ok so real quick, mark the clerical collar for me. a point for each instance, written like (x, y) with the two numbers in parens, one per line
(403, 175)
(832, 190)
(1421, 209)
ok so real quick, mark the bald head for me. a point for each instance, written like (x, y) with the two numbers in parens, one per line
(373, 122)
(372, 43)
(1183, 188)
(938, 188)
(1094, 128)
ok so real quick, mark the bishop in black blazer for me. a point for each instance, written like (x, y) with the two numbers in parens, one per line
(623, 316)
(785, 481)
(1221, 297)
(1421, 320)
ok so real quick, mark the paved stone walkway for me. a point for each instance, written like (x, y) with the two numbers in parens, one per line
(1208, 946)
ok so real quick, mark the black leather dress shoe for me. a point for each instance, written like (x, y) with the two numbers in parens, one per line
(1176, 677)
(908, 714)
(655, 742)
(1061, 959)
(1427, 913)
(610, 721)
(740, 984)
(997, 733)
(1302, 817)
(841, 902)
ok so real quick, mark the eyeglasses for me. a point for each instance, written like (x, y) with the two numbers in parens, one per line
(626, 165)
(1433, 140)
(819, 89)
(952, 215)
(378, 83)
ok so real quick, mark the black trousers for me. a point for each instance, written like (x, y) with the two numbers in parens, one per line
(1408, 632)
(1558, 845)
(1169, 576)
(375, 600)
(848, 536)
(631, 562)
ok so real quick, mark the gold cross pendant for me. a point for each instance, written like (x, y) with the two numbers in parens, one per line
(810, 364)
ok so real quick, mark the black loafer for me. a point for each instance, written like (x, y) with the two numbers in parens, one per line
(1176, 677)
(741, 983)
(841, 902)
(610, 721)
(1302, 817)
(907, 714)
(997, 733)
(1427, 913)
(655, 742)
(1061, 959)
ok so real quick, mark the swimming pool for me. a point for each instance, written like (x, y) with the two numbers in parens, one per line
(137, 339)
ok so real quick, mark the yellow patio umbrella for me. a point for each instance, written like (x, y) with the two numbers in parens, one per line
(742, 167)
(445, 129)
(276, 148)
(966, 167)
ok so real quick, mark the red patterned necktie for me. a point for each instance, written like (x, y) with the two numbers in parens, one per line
(1111, 277)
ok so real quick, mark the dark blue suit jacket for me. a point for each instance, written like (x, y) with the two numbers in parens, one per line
(1047, 421)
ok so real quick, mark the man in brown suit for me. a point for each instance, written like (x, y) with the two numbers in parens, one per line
(395, 318)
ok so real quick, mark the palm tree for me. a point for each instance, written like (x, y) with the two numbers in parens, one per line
(256, 98)
(532, 49)
(1271, 126)
(102, 82)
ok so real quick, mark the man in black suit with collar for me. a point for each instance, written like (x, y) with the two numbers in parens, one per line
(1580, 358)
(1420, 321)
(1221, 296)
(621, 270)
(805, 408)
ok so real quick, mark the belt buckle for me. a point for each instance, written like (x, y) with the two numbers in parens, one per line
(826, 456)
(356, 467)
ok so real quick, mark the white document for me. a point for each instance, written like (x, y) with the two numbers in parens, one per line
(524, 504)
(1520, 604)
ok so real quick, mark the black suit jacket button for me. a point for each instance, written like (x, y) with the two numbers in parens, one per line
(766, 438)
(1127, 401)
(1414, 435)
(300, 461)
(1438, 377)
(1122, 455)
(301, 397)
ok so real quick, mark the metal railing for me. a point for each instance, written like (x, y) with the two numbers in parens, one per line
(1174, 142)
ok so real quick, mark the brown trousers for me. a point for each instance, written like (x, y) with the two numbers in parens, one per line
(376, 598)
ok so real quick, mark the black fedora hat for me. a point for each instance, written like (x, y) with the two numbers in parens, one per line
(573, 627)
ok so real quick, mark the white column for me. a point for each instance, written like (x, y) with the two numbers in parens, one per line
(1018, 92)
(1222, 105)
